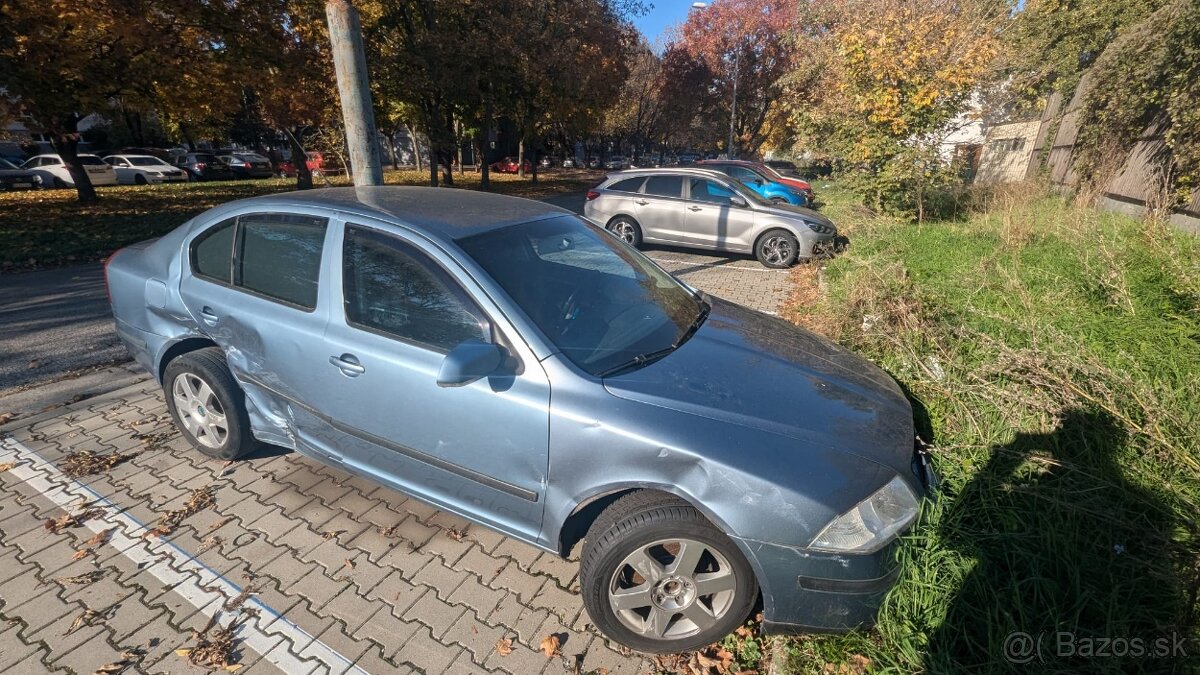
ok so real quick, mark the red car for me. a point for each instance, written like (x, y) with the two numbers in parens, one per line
(316, 162)
(790, 181)
(509, 165)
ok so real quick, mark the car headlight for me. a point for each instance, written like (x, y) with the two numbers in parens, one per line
(819, 228)
(869, 526)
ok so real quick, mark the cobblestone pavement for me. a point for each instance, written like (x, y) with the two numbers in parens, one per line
(313, 570)
(741, 279)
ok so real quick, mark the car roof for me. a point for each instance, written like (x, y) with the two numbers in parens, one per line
(673, 170)
(134, 156)
(55, 155)
(445, 214)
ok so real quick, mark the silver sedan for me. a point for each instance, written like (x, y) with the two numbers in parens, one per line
(700, 208)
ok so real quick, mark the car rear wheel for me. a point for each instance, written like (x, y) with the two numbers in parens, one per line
(627, 230)
(777, 249)
(207, 404)
(779, 201)
(658, 577)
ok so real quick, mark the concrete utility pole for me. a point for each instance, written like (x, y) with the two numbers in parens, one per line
(350, 64)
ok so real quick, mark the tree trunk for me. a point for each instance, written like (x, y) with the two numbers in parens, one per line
(67, 147)
(395, 155)
(485, 141)
(412, 140)
(433, 169)
(533, 163)
(521, 157)
(304, 179)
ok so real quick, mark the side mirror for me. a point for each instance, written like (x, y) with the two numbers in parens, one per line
(738, 201)
(758, 182)
(470, 361)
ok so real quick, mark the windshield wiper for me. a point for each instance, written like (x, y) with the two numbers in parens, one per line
(642, 359)
(705, 308)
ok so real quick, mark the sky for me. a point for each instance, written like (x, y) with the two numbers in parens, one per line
(663, 15)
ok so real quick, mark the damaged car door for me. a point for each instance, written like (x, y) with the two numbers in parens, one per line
(253, 287)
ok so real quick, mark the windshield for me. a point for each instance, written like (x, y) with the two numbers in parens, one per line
(7, 165)
(146, 161)
(600, 302)
(251, 157)
(92, 160)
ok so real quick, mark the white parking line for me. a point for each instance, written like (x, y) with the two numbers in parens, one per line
(727, 266)
(207, 590)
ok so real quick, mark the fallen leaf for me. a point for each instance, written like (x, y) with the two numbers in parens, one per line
(220, 523)
(6, 467)
(34, 363)
(88, 463)
(5, 417)
(332, 534)
(456, 534)
(183, 652)
(744, 632)
(549, 645)
(504, 647)
(115, 667)
(85, 578)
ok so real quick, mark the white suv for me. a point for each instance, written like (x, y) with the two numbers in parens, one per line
(54, 173)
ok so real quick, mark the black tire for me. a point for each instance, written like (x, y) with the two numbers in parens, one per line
(139, 179)
(627, 229)
(60, 183)
(777, 249)
(643, 521)
(208, 366)
(779, 201)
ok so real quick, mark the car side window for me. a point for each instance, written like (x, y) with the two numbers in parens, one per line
(702, 190)
(212, 252)
(627, 185)
(664, 186)
(278, 255)
(741, 173)
(391, 287)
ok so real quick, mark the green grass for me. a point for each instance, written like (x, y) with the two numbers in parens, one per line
(48, 228)
(1052, 353)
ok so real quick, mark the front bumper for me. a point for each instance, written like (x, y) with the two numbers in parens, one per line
(807, 591)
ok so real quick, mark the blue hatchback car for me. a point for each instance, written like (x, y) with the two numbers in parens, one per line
(776, 193)
(507, 361)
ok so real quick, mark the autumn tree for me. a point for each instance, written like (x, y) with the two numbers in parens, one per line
(744, 44)
(62, 60)
(635, 113)
(880, 80)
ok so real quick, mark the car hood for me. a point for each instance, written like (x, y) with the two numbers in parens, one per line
(789, 211)
(757, 371)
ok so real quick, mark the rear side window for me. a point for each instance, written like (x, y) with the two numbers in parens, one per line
(664, 186)
(279, 256)
(627, 185)
(393, 288)
(212, 253)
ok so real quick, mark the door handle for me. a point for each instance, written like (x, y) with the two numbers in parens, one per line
(348, 364)
(695, 208)
(640, 202)
(209, 316)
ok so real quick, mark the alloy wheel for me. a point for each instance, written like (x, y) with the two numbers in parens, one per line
(777, 250)
(200, 410)
(672, 588)
(625, 230)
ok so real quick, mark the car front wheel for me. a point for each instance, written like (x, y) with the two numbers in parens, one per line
(658, 577)
(207, 405)
(777, 249)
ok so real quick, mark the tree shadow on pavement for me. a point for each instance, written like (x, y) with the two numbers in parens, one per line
(1069, 557)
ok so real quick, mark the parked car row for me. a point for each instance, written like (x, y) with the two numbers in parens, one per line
(707, 208)
(49, 170)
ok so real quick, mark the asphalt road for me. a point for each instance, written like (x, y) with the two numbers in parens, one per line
(54, 323)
